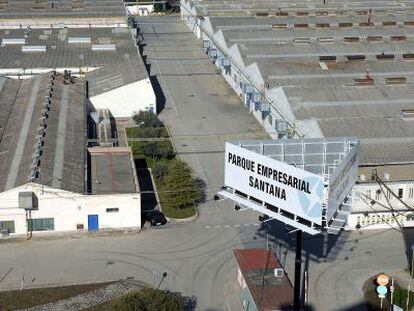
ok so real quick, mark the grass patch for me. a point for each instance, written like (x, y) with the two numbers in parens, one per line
(161, 151)
(16, 299)
(146, 132)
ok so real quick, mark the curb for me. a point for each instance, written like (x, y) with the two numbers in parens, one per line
(192, 218)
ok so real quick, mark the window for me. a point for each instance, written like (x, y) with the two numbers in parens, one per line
(7, 225)
(377, 195)
(112, 210)
(41, 224)
(400, 193)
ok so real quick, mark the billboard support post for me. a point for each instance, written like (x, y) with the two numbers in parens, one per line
(298, 271)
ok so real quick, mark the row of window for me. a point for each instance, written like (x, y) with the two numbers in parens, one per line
(378, 194)
(380, 219)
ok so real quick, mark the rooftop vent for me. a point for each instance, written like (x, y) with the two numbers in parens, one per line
(326, 40)
(329, 58)
(398, 38)
(389, 24)
(13, 41)
(396, 80)
(351, 39)
(302, 13)
(301, 25)
(301, 40)
(282, 13)
(262, 14)
(409, 23)
(408, 56)
(345, 25)
(407, 113)
(33, 48)
(279, 26)
(322, 25)
(103, 47)
(322, 13)
(363, 81)
(355, 57)
(366, 24)
(79, 40)
(384, 56)
(374, 38)
(364, 12)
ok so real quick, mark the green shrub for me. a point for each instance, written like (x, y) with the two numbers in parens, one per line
(160, 170)
(149, 299)
(158, 150)
(180, 188)
(147, 119)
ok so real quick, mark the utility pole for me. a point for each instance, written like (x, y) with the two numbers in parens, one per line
(298, 271)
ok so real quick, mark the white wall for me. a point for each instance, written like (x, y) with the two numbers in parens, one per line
(141, 9)
(125, 100)
(373, 216)
(69, 209)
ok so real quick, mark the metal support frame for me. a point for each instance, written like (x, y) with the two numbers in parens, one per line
(298, 272)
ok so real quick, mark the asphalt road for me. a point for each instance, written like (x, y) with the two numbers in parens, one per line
(197, 256)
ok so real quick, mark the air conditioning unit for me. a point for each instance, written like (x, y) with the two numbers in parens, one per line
(278, 272)
(362, 177)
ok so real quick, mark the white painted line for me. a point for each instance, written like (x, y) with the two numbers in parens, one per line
(217, 226)
(256, 224)
(246, 225)
(207, 227)
(226, 226)
(236, 225)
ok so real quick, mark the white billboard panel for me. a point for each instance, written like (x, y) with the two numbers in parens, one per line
(276, 183)
(341, 182)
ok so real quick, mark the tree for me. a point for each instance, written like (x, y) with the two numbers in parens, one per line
(157, 150)
(160, 170)
(147, 119)
(149, 299)
(181, 189)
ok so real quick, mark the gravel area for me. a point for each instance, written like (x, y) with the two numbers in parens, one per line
(93, 298)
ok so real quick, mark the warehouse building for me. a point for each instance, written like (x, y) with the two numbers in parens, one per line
(61, 13)
(44, 125)
(322, 70)
(118, 79)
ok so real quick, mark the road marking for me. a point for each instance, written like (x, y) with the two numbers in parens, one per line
(246, 225)
(217, 226)
(256, 224)
(226, 226)
(236, 225)
(207, 227)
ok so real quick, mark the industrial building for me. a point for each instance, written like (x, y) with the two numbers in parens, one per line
(263, 282)
(44, 126)
(61, 13)
(118, 79)
(325, 69)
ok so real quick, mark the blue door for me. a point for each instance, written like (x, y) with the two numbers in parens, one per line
(93, 222)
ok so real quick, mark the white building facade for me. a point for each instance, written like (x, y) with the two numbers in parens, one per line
(64, 211)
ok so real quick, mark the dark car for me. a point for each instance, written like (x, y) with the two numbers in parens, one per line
(155, 217)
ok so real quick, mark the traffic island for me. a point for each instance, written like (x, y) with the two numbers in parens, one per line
(176, 189)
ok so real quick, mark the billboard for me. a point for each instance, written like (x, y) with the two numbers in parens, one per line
(341, 182)
(274, 182)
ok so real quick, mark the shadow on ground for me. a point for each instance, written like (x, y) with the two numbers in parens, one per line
(148, 199)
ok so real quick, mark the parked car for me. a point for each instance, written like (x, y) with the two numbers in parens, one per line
(154, 217)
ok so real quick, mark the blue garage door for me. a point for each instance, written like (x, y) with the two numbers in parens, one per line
(93, 222)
